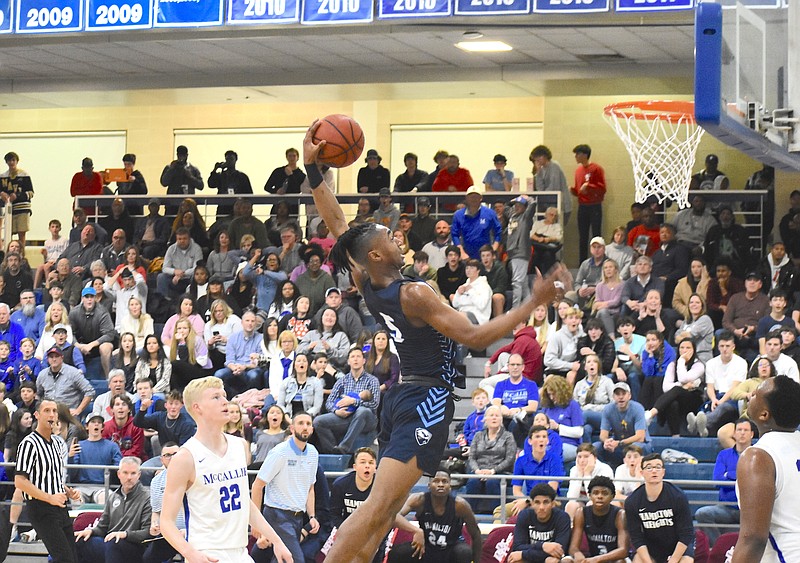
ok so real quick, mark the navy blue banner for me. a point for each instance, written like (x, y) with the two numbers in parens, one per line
(653, 5)
(108, 15)
(49, 16)
(413, 8)
(570, 6)
(263, 11)
(317, 12)
(187, 13)
(492, 7)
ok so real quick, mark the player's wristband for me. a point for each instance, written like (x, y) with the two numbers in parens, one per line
(314, 175)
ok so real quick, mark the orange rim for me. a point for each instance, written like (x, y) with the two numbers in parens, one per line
(671, 111)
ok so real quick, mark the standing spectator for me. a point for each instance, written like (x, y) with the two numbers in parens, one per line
(590, 189)
(412, 179)
(475, 226)
(549, 177)
(659, 517)
(623, 424)
(229, 181)
(125, 522)
(518, 247)
(546, 237)
(152, 231)
(180, 177)
(498, 179)
(492, 451)
(179, 265)
(159, 551)
(64, 384)
(286, 179)
(16, 188)
(497, 276)
(94, 450)
(93, 329)
(135, 186)
(53, 248)
(86, 182)
(285, 482)
(542, 531)
(41, 474)
(373, 177)
(452, 178)
(172, 425)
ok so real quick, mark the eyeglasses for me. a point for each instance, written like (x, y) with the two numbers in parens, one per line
(652, 467)
(167, 455)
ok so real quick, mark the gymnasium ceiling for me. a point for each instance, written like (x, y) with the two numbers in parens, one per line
(359, 62)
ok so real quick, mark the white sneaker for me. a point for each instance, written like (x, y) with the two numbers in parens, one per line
(702, 422)
(691, 422)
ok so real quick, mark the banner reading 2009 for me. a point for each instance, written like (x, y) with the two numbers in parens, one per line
(107, 15)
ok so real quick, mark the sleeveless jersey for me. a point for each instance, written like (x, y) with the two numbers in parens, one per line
(601, 531)
(217, 505)
(441, 532)
(784, 529)
(423, 351)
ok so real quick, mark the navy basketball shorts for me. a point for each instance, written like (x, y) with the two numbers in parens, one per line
(415, 421)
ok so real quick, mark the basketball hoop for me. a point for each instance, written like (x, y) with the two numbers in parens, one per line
(661, 139)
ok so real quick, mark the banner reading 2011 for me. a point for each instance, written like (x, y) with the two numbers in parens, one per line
(108, 15)
(316, 12)
(49, 16)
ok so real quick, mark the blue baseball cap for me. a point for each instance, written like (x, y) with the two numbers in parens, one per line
(88, 291)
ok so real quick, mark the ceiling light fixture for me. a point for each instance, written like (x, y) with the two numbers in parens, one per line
(473, 34)
(483, 46)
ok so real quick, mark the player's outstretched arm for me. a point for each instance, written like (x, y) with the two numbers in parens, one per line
(755, 473)
(180, 476)
(260, 525)
(329, 209)
(420, 302)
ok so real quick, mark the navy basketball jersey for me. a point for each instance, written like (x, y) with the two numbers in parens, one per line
(601, 531)
(442, 531)
(423, 350)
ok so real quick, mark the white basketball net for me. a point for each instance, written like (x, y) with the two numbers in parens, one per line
(662, 146)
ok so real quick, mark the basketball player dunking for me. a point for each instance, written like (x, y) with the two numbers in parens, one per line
(768, 477)
(417, 413)
(208, 479)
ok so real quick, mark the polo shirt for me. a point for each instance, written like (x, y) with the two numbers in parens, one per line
(289, 474)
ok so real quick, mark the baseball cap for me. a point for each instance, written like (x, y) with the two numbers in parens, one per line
(91, 416)
(752, 275)
(597, 240)
(385, 192)
(424, 200)
(59, 327)
(88, 291)
(333, 290)
(55, 350)
(499, 158)
(474, 190)
(126, 273)
(521, 200)
(372, 153)
(622, 386)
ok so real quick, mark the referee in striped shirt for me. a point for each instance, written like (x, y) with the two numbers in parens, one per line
(41, 476)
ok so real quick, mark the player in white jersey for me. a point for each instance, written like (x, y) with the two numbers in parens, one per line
(768, 477)
(208, 478)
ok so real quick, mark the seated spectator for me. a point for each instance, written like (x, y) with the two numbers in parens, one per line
(593, 393)
(79, 221)
(778, 271)
(102, 299)
(623, 424)
(242, 371)
(154, 365)
(723, 374)
(125, 523)
(222, 262)
(728, 241)
(436, 249)
(619, 251)
(72, 356)
(645, 238)
(300, 321)
(547, 236)
(670, 260)
(280, 364)
(784, 365)
(720, 289)
(491, 452)
(28, 316)
(602, 525)
(696, 281)
(27, 367)
(125, 358)
(328, 338)
(474, 297)
(744, 311)
(422, 269)
(692, 224)
(387, 213)
(10, 332)
(351, 409)
(382, 362)
(188, 354)
(94, 450)
(220, 327)
(301, 392)
(497, 276)
(133, 262)
(725, 470)
(452, 275)
(629, 347)
(658, 358)
(93, 329)
(790, 346)
(69, 283)
(628, 475)
(562, 356)
(474, 421)
(113, 255)
(565, 414)
(698, 328)
(179, 263)
(526, 345)
(285, 298)
(137, 322)
(152, 231)
(173, 424)
(518, 399)
(441, 516)
(116, 386)
(190, 218)
(540, 324)
(586, 468)
(590, 272)
(161, 550)
(314, 282)
(265, 275)
(186, 309)
(597, 343)
(608, 296)
(682, 390)
(121, 430)
(83, 252)
(346, 316)
(64, 384)
(776, 318)
(641, 281)
(272, 430)
(654, 316)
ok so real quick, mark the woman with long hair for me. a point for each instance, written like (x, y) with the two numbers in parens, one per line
(381, 361)
(597, 342)
(492, 452)
(541, 325)
(302, 392)
(561, 308)
(657, 358)
(285, 298)
(102, 298)
(137, 322)
(566, 416)
(187, 309)
(698, 327)
(695, 283)
(236, 426)
(683, 389)
(189, 216)
(71, 427)
(405, 247)
(281, 364)
(188, 354)
(20, 426)
(593, 393)
(270, 345)
(221, 262)
(329, 338)
(218, 329)
(607, 296)
(300, 321)
(133, 261)
(154, 365)
(56, 315)
(272, 431)
(126, 359)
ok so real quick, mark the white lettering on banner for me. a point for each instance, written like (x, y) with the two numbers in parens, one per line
(338, 6)
(264, 7)
(113, 14)
(2, 17)
(411, 5)
(569, 2)
(491, 3)
(639, 2)
(49, 17)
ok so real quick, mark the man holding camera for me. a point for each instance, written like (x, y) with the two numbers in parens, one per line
(228, 181)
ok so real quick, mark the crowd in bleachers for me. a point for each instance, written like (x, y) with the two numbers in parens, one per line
(665, 327)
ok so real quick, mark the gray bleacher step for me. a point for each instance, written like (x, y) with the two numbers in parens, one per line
(492, 348)
(474, 367)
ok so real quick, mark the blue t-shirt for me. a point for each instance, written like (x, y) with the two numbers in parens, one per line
(622, 425)
(516, 395)
(768, 324)
(569, 415)
(98, 452)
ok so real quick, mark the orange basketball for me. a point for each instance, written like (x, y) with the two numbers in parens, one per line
(344, 140)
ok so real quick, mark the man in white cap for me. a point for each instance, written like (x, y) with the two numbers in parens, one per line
(475, 225)
(590, 272)
(623, 424)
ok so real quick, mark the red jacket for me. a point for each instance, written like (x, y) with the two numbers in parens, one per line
(596, 190)
(525, 345)
(129, 438)
(654, 236)
(461, 180)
